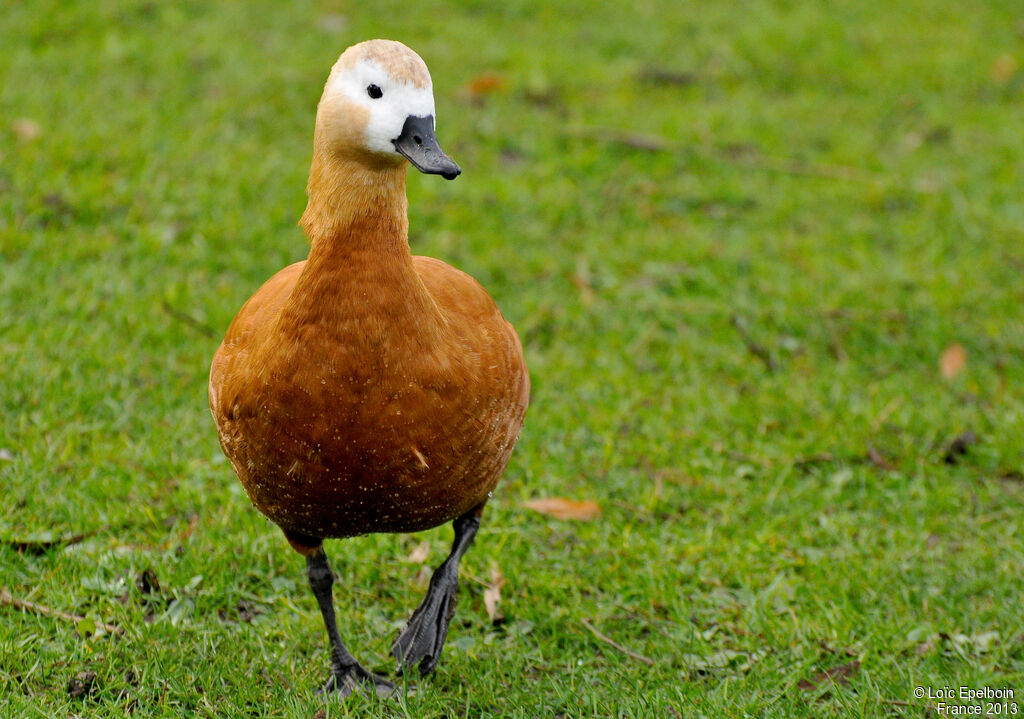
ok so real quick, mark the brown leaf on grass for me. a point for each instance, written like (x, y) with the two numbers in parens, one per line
(484, 84)
(419, 553)
(26, 130)
(1003, 68)
(953, 361)
(562, 508)
(836, 675)
(492, 595)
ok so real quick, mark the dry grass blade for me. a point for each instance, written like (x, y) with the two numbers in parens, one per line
(612, 643)
(639, 141)
(42, 546)
(187, 319)
(878, 459)
(755, 348)
(8, 599)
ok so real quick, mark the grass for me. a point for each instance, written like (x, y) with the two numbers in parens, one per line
(841, 180)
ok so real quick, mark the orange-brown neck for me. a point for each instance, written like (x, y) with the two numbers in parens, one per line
(346, 193)
(359, 278)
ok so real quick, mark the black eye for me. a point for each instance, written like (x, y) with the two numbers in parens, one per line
(374, 92)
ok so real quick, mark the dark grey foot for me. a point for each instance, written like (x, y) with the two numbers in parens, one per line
(423, 637)
(354, 679)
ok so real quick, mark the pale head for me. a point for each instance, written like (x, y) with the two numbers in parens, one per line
(379, 103)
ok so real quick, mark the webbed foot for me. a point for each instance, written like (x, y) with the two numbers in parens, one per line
(423, 637)
(346, 680)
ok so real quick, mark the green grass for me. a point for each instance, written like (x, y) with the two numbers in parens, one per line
(844, 179)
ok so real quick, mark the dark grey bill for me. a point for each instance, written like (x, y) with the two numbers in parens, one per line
(419, 145)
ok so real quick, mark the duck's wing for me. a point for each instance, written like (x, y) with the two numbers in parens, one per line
(258, 312)
(478, 321)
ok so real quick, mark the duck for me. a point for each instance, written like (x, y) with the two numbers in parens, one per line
(365, 389)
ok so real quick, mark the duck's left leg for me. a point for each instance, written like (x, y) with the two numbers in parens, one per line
(423, 637)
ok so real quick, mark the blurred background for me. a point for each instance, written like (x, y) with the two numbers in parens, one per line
(766, 262)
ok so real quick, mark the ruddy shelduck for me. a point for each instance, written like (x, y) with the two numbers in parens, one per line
(364, 389)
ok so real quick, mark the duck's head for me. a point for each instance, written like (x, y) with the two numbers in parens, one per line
(378, 106)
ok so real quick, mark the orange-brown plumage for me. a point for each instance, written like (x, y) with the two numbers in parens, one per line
(364, 389)
(367, 390)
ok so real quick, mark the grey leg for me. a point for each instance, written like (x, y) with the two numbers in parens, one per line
(423, 637)
(346, 673)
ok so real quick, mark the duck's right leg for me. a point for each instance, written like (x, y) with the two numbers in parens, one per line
(347, 674)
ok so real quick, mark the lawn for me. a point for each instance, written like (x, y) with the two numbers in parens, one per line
(767, 262)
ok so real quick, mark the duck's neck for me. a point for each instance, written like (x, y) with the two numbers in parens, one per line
(359, 269)
(352, 206)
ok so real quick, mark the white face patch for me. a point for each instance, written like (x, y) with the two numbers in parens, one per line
(398, 101)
